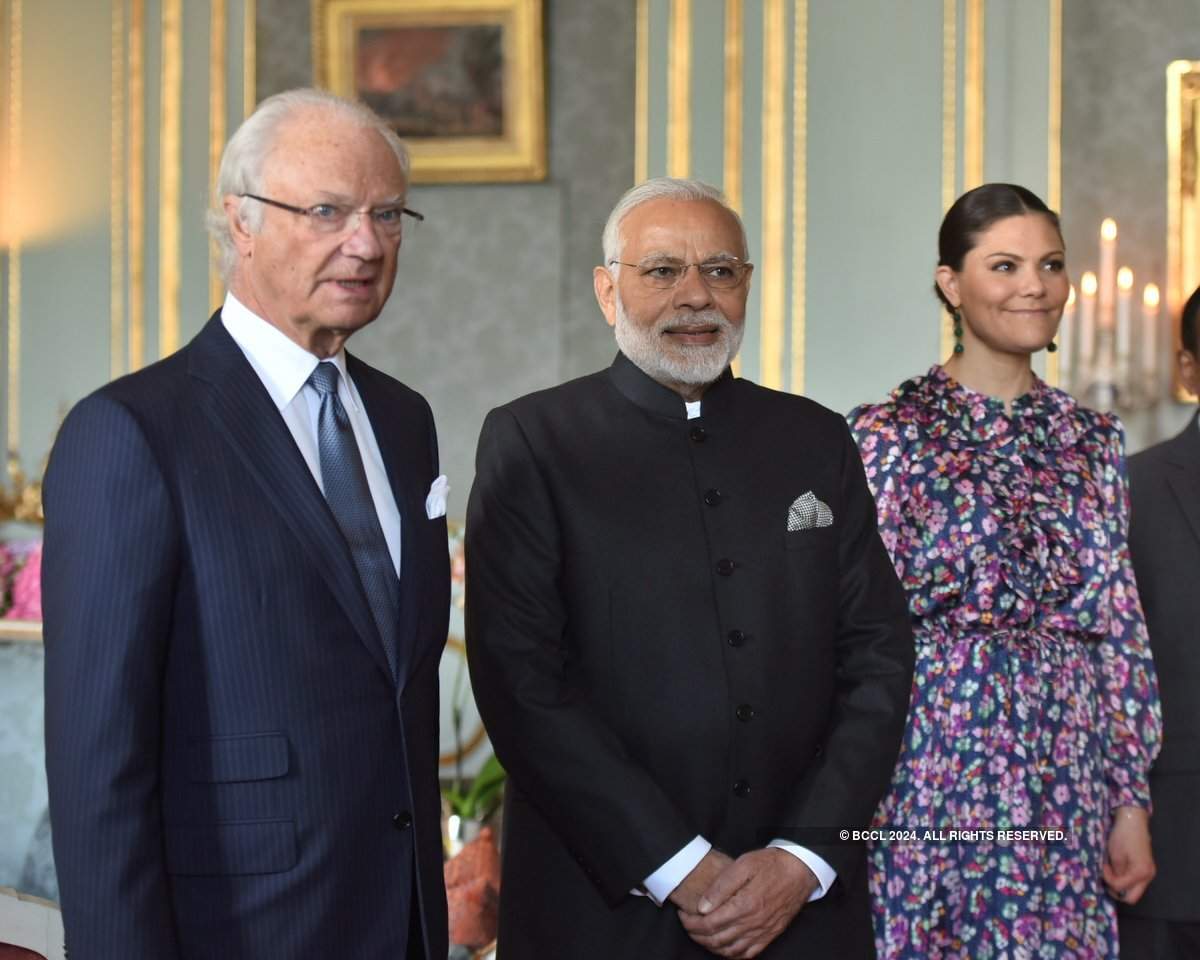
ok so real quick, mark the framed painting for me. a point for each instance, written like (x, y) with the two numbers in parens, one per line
(461, 81)
(1183, 195)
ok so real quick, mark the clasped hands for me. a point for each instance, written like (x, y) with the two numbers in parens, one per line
(736, 908)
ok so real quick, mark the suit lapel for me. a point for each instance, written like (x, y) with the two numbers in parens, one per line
(243, 410)
(400, 461)
(1184, 478)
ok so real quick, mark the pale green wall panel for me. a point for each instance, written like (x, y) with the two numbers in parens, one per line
(752, 154)
(660, 42)
(708, 90)
(874, 196)
(65, 174)
(1018, 98)
(193, 193)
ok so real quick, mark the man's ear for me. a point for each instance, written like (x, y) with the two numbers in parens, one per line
(947, 281)
(1189, 371)
(243, 239)
(606, 293)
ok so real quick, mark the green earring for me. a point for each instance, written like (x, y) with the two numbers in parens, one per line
(958, 332)
(1052, 347)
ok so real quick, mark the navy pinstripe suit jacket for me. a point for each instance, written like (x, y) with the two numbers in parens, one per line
(233, 772)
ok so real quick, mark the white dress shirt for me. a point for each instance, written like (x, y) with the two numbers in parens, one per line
(284, 367)
(663, 881)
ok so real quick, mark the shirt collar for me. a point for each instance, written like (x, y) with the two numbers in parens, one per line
(651, 395)
(282, 364)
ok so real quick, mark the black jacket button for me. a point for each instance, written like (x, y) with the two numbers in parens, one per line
(402, 820)
(736, 638)
(744, 712)
(713, 497)
(698, 434)
(741, 788)
(725, 567)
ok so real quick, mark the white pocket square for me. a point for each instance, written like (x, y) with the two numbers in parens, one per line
(435, 502)
(807, 512)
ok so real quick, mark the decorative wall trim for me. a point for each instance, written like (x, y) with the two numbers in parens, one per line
(137, 184)
(170, 157)
(116, 226)
(799, 193)
(734, 92)
(774, 187)
(949, 140)
(13, 427)
(217, 105)
(249, 57)
(1054, 140)
(679, 91)
(641, 125)
(973, 96)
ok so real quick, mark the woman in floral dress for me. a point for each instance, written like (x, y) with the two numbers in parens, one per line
(1034, 702)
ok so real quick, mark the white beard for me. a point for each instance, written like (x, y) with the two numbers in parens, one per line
(678, 363)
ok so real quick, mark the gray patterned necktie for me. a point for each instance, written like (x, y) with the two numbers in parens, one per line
(349, 497)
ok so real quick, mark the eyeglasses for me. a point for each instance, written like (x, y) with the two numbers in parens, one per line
(336, 217)
(664, 273)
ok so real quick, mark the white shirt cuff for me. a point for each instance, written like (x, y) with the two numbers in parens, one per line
(824, 873)
(663, 881)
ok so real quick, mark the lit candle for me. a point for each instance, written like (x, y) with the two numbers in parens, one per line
(1150, 300)
(1066, 338)
(1087, 323)
(1124, 317)
(1108, 266)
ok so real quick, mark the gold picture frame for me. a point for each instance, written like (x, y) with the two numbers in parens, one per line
(462, 81)
(1183, 193)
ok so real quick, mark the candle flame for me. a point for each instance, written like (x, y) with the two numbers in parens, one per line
(1088, 284)
(1071, 297)
(1150, 295)
(1108, 229)
(1125, 279)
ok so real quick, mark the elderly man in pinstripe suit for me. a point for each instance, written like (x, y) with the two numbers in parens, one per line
(246, 590)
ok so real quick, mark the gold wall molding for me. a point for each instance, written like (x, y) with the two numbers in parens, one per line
(679, 91)
(169, 154)
(1054, 140)
(641, 124)
(1183, 197)
(116, 229)
(973, 96)
(14, 218)
(249, 57)
(774, 193)
(799, 193)
(217, 105)
(735, 55)
(137, 184)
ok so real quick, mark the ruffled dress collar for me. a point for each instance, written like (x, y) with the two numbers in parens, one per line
(960, 417)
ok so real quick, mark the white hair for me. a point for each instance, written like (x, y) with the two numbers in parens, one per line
(660, 188)
(246, 153)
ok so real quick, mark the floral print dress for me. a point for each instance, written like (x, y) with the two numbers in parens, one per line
(1034, 701)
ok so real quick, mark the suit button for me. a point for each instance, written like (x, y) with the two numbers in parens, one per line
(736, 638)
(713, 497)
(745, 712)
(698, 434)
(741, 788)
(725, 567)
(819, 750)
(402, 820)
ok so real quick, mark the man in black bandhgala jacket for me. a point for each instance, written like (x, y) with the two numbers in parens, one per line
(685, 637)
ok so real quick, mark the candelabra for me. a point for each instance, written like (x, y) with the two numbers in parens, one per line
(1101, 360)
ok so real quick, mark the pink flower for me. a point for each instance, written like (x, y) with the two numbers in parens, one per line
(27, 589)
